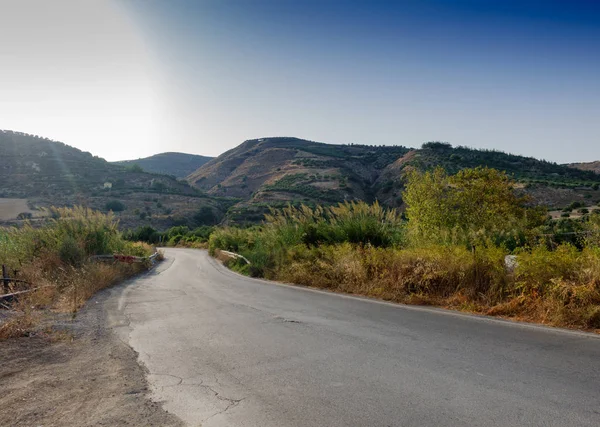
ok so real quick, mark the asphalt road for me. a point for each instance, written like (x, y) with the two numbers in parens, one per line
(224, 350)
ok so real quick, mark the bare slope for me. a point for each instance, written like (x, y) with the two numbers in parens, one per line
(589, 166)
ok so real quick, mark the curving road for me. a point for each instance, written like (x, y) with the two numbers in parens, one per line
(224, 350)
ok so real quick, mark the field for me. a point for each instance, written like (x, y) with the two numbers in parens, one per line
(11, 208)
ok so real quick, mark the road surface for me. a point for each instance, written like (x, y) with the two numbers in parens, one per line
(225, 350)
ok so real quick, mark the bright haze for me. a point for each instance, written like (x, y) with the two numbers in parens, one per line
(130, 78)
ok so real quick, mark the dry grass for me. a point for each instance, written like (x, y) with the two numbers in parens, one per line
(559, 288)
(53, 261)
(67, 293)
(11, 208)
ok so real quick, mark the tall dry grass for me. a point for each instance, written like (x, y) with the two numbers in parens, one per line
(53, 261)
(334, 248)
(560, 287)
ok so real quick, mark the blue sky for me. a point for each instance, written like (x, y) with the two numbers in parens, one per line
(519, 76)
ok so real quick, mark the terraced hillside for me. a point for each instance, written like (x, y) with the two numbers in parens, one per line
(545, 182)
(274, 171)
(50, 173)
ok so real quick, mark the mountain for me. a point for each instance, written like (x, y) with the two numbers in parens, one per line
(589, 166)
(275, 171)
(45, 173)
(271, 171)
(178, 165)
(546, 183)
(240, 185)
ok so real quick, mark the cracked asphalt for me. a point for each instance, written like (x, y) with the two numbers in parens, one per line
(225, 350)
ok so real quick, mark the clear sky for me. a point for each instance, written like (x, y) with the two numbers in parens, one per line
(129, 78)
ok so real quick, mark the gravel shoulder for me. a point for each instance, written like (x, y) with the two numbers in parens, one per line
(84, 375)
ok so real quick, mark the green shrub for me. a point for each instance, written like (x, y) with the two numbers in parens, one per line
(115, 206)
(70, 252)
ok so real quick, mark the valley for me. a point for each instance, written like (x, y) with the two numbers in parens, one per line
(242, 184)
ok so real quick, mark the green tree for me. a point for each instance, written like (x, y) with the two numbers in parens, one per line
(115, 206)
(474, 203)
(205, 216)
(135, 168)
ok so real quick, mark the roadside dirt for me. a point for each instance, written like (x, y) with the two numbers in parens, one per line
(80, 375)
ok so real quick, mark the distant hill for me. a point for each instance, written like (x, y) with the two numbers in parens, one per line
(278, 170)
(275, 171)
(49, 173)
(178, 165)
(240, 185)
(589, 166)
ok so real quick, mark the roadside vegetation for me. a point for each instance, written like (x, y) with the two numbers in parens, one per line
(52, 264)
(467, 242)
(172, 237)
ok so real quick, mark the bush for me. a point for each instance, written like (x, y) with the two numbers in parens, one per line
(70, 251)
(205, 216)
(54, 256)
(115, 206)
(135, 168)
(398, 274)
(464, 208)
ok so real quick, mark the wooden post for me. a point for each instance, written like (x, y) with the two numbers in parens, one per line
(5, 279)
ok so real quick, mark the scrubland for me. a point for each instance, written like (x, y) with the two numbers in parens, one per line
(52, 263)
(449, 250)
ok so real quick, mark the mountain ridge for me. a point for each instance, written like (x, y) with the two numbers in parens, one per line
(279, 170)
(240, 185)
(47, 173)
(172, 163)
(587, 166)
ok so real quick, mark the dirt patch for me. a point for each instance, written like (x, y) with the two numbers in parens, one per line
(11, 208)
(85, 377)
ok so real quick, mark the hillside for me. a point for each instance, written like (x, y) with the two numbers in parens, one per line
(271, 171)
(274, 171)
(44, 173)
(589, 166)
(178, 165)
(545, 182)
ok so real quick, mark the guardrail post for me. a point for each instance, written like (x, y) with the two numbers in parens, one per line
(5, 279)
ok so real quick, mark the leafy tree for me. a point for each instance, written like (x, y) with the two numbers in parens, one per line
(474, 203)
(115, 206)
(205, 216)
(159, 186)
(135, 168)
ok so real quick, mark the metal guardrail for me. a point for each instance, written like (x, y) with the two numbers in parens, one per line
(129, 259)
(235, 256)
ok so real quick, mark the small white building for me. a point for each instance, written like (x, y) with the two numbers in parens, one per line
(107, 185)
